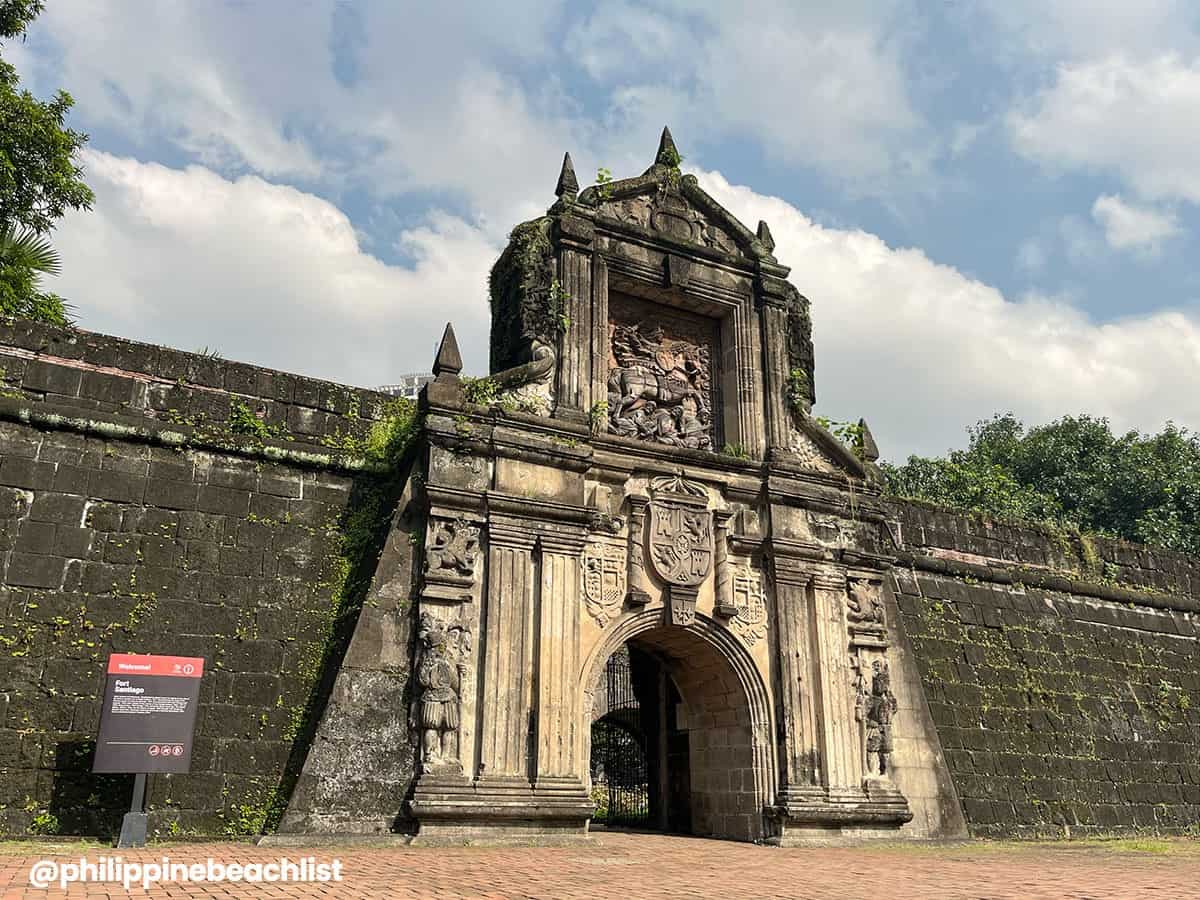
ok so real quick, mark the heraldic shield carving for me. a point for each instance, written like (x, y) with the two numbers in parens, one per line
(681, 541)
(603, 580)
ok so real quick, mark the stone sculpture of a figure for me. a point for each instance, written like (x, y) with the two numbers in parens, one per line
(444, 654)
(864, 602)
(453, 547)
(879, 709)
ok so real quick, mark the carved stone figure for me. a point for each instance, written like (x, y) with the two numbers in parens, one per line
(607, 523)
(604, 569)
(750, 623)
(864, 603)
(876, 711)
(659, 385)
(453, 547)
(444, 650)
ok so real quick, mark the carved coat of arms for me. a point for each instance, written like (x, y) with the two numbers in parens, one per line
(681, 545)
(751, 619)
(604, 568)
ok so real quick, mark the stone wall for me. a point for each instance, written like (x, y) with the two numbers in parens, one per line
(159, 501)
(1063, 673)
(155, 501)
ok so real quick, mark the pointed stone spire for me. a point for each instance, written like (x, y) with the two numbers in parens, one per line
(870, 450)
(568, 184)
(448, 363)
(667, 154)
(764, 237)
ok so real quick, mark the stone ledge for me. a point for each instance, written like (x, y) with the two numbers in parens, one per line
(50, 416)
(1005, 573)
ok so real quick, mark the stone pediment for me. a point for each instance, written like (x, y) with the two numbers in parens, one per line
(813, 448)
(667, 205)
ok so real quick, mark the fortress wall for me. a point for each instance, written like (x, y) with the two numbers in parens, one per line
(1063, 674)
(142, 509)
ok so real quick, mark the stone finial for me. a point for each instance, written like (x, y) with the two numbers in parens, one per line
(449, 361)
(667, 154)
(765, 238)
(568, 184)
(870, 450)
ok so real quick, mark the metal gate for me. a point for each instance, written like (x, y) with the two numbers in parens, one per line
(620, 781)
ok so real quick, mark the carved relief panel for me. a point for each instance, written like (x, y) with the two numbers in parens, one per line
(875, 704)
(661, 383)
(445, 651)
(750, 622)
(668, 212)
(680, 541)
(604, 571)
(451, 559)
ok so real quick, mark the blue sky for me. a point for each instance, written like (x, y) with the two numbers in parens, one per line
(992, 205)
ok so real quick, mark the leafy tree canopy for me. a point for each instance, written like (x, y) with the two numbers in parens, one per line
(39, 177)
(1075, 472)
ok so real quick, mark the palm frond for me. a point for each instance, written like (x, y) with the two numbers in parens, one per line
(28, 250)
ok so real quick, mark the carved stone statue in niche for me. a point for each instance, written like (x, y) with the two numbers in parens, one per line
(444, 650)
(453, 548)
(876, 710)
(660, 381)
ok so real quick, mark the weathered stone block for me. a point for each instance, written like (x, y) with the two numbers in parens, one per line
(223, 501)
(52, 379)
(35, 570)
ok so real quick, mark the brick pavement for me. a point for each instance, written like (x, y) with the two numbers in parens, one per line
(634, 866)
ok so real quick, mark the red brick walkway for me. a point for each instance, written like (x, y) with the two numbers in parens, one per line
(630, 866)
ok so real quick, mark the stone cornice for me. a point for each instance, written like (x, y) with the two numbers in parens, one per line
(539, 511)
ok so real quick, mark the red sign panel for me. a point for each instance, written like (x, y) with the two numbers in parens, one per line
(144, 664)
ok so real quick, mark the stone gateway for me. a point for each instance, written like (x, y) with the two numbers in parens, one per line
(648, 478)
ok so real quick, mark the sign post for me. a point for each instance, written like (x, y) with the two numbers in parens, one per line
(146, 725)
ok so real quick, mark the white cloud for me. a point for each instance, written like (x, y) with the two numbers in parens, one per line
(266, 274)
(816, 84)
(922, 351)
(1087, 28)
(1130, 227)
(271, 275)
(241, 87)
(470, 98)
(1137, 119)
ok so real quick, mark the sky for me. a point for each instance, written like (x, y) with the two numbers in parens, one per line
(993, 205)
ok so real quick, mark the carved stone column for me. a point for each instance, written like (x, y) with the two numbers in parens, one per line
(798, 673)
(505, 696)
(840, 741)
(598, 384)
(725, 603)
(776, 415)
(637, 558)
(575, 362)
(747, 363)
(559, 717)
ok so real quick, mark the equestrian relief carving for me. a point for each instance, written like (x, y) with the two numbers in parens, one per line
(659, 387)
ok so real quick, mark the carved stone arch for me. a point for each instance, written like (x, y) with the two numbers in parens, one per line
(759, 717)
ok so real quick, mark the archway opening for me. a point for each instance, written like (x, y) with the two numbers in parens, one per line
(671, 740)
